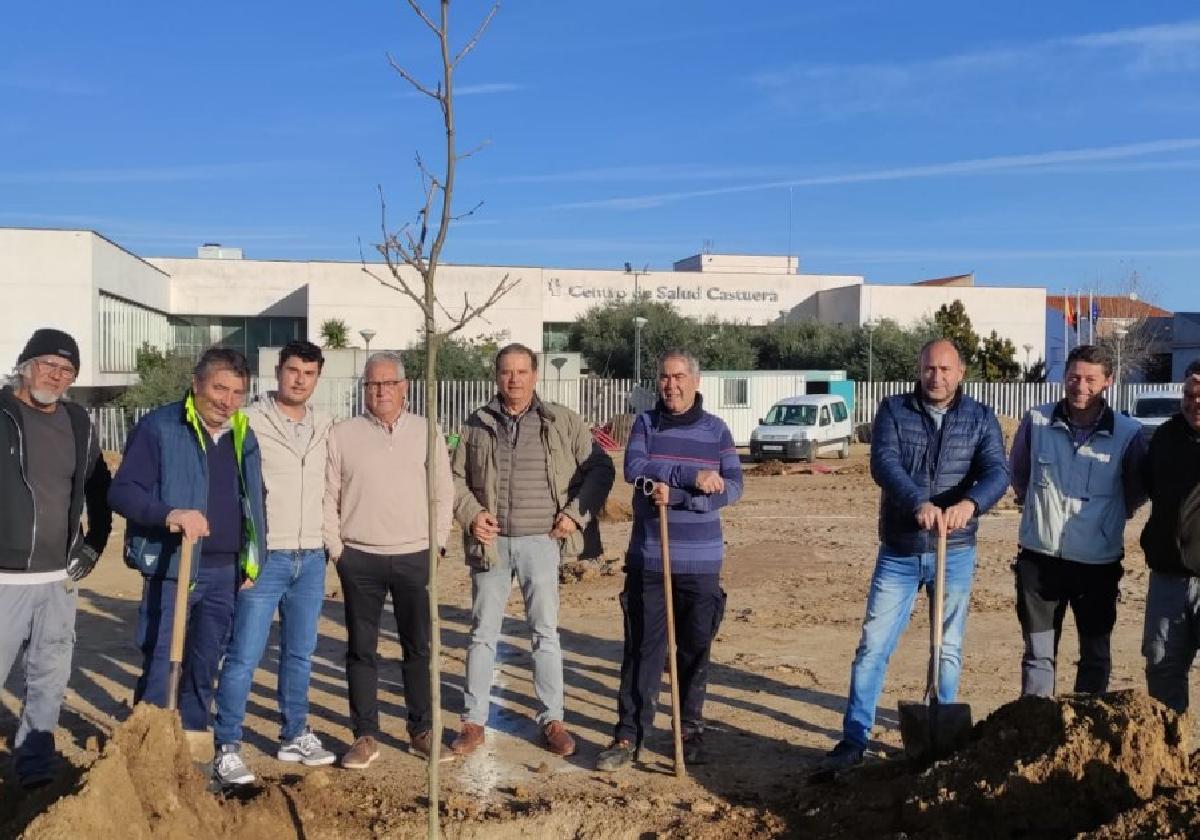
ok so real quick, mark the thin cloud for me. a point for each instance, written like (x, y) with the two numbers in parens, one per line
(837, 91)
(147, 175)
(482, 89)
(972, 166)
(645, 172)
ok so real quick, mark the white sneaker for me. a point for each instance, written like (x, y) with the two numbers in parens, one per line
(228, 767)
(305, 748)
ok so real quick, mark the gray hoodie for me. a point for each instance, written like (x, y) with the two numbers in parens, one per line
(293, 475)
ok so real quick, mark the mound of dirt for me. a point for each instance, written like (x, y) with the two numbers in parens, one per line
(143, 785)
(770, 467)
(616, 509)
(1036, 768)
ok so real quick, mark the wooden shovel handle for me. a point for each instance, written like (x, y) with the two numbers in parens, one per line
(179, 620)
(672, 665)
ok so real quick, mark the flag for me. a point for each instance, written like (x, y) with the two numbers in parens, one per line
(1072, 320)
(1095, 311)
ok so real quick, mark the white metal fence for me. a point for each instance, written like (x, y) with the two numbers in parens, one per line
(1012, 399)
(597, 400)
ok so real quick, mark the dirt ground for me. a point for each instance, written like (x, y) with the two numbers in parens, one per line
(800, 551)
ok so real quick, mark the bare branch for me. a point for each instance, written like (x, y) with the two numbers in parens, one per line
(470, 212)
(470, 313)
(433, 27)
(475, 150)
(470, 45)
(412, 80)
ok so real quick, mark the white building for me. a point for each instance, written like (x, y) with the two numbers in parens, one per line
(114, 301)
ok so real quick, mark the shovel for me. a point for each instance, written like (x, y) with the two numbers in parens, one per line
(199, 743)
(931, 729)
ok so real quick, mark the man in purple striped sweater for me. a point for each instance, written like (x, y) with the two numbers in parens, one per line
(689, 455)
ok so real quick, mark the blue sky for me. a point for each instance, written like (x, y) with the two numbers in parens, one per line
(1055, 145)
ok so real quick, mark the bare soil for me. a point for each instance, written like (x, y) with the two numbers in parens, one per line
(800, 551)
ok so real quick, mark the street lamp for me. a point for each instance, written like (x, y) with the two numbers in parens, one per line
(1028, 349)
(869, 326)
(367, 335)
(1120, 333)
(638, 323)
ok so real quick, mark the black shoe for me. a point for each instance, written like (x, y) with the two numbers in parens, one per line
(620, 754)
(842, 757)
(693, 749)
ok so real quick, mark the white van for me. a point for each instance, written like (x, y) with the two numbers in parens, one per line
(803, 427)
(1153, 408)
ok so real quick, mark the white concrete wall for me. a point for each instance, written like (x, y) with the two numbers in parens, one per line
(45, 281)
(747, 298)
(123, 275)
(238, 287)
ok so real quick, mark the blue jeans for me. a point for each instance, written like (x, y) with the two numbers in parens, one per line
(292, 581)
(894, 586)
(533, 561)
(210, 615)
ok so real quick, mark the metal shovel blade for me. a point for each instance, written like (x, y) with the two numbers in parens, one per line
(935, 730)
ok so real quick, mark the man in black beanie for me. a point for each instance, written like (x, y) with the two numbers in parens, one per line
(50, 468)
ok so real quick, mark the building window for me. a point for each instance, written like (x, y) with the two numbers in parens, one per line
(125, 328)
(735, 393)
(194, 334)
(556, 336)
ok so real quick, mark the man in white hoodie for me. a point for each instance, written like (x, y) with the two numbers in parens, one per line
(293, 437)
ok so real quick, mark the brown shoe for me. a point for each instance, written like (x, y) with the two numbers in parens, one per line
(558, 739)
(468, 739)
(361, 753)
(422, 744)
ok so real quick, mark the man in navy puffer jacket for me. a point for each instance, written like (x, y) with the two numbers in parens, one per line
(938, 457)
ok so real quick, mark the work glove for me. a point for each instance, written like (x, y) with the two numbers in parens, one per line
(82, 562)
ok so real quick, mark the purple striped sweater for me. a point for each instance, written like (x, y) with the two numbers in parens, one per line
(675, 453)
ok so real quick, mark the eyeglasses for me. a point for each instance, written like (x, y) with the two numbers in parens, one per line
(385, 385)
(65, 371)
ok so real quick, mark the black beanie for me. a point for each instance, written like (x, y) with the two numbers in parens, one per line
(48, 342)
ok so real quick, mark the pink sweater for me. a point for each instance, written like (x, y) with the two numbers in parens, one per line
(375, 498)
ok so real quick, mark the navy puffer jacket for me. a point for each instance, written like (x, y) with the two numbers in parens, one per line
(914, 463)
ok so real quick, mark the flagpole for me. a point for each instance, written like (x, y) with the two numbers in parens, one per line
(1091, 316)
(1079, 329)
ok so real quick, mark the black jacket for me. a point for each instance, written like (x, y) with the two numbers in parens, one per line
(1171, 538)
(90, 487)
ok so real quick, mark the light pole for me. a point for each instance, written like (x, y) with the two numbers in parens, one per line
(1028, 349)
(638, 323)
(367, 335)
(1120, 333)
(869, 326)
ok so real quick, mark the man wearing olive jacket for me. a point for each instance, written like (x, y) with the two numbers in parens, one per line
(528, 478)
(1171, 541)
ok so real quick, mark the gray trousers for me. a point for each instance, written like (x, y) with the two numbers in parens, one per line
(1171, 636)
(39, 619)
(533, 561)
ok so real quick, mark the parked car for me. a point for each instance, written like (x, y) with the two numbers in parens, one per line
(1153, 408)
(803, 427)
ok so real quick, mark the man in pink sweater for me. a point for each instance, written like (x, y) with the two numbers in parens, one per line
(377, 532)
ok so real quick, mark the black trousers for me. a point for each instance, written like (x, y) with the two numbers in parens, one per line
(367, 579)
(699, 604)
(1046, 586)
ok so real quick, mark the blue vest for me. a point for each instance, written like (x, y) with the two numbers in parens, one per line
(183, 484)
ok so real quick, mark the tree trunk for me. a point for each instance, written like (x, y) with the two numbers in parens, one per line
(432, 441)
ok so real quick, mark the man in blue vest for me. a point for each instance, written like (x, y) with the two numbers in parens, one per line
(938, 458)
(192, 468)
(1076, 470)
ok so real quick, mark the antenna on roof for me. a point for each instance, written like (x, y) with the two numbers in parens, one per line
(707, 247)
